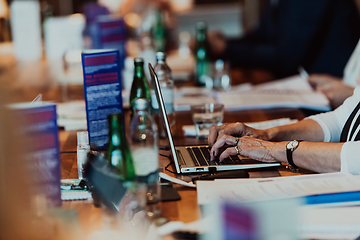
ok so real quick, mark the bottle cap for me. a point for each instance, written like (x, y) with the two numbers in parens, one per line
(160, 56)
(141, 104)
(138, 60)
(201, 25)
(219, 65)
(83, 138)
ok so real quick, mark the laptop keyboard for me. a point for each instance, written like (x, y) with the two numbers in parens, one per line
(201, 157)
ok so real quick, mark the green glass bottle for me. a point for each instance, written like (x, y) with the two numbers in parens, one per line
(203, 64)
(140, 87)
(158, 32)
(118, 151)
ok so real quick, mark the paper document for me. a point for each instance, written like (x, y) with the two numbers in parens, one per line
(251, 190)
(184, 103)
(293, 92)
(72, 115)
(329, 223)
(189, 130)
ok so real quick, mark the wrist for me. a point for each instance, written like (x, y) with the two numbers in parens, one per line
(271, 133)
(278, 152)
(290, 148)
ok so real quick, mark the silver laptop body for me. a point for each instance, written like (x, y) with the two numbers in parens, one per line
(195, 159)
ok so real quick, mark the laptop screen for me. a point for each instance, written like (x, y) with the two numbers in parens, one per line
(159, 97)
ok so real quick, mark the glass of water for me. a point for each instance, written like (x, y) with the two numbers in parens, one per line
(206, 116)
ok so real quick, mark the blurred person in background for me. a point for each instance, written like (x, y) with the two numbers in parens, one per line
(24, 215)
(338, 89)
(334, 88)
(15, 220)
(318, 35)
(4, 16)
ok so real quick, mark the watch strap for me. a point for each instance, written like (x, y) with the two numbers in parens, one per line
(290, 162)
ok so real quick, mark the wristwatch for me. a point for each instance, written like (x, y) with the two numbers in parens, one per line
(290, 148)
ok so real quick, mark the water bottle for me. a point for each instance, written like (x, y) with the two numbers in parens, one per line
(83, 148)
(118, 152)
(221, 78)
(145, 151)
(163, 73)
(203, 64)
(140, 87)
(158, 31)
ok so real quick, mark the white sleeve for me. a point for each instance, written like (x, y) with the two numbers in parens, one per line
(333, 122)
(350, 161)
(352, 68)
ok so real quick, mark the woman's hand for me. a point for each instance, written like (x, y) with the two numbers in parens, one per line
(217, 43)
(333, 88)
(236, 130)
(246, 146)
(319, 80)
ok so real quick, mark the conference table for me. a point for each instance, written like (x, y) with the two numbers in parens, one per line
(186, 209)
(24, 81)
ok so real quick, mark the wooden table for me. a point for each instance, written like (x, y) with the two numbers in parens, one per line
(24, 81)
(185, 210)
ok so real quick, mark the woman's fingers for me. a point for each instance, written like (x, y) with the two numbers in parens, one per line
(213, 134)
(230, 151)
(234, 129)
(224, 141)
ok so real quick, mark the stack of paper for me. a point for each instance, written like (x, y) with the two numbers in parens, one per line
(294, 92)
(189, 130)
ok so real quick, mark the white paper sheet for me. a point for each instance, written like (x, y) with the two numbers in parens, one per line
(329, 223)
(189, 130)
(293, 92)
(252, 190)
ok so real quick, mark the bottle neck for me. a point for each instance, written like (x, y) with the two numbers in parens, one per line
(161, 60)
(116, 130)
(141, 112)
(139, 71)
(201, 35)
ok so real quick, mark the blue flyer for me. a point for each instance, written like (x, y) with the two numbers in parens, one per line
(102, 87)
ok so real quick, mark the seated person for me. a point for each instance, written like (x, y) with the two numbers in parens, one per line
(318, 35)
(337, 89)
(333, 88)
(330, 141)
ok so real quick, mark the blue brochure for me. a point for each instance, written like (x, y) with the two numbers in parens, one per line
(39, 127)
(102, 86)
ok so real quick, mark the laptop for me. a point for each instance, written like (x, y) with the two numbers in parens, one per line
(196, 159)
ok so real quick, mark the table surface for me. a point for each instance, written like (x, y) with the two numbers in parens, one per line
(186, 209)
(24, 81)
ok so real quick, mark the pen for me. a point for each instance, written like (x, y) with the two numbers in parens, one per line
(303, 72)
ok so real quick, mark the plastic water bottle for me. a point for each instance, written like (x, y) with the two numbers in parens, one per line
(163, 73)
(145, 152)
(83, 148)
(221, 78)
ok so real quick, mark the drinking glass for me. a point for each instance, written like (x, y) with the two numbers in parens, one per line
(206, 116)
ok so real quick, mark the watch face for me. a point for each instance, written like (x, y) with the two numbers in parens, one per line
(292, 144)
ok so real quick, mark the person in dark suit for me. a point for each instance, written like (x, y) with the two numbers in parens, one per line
(318, 35)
